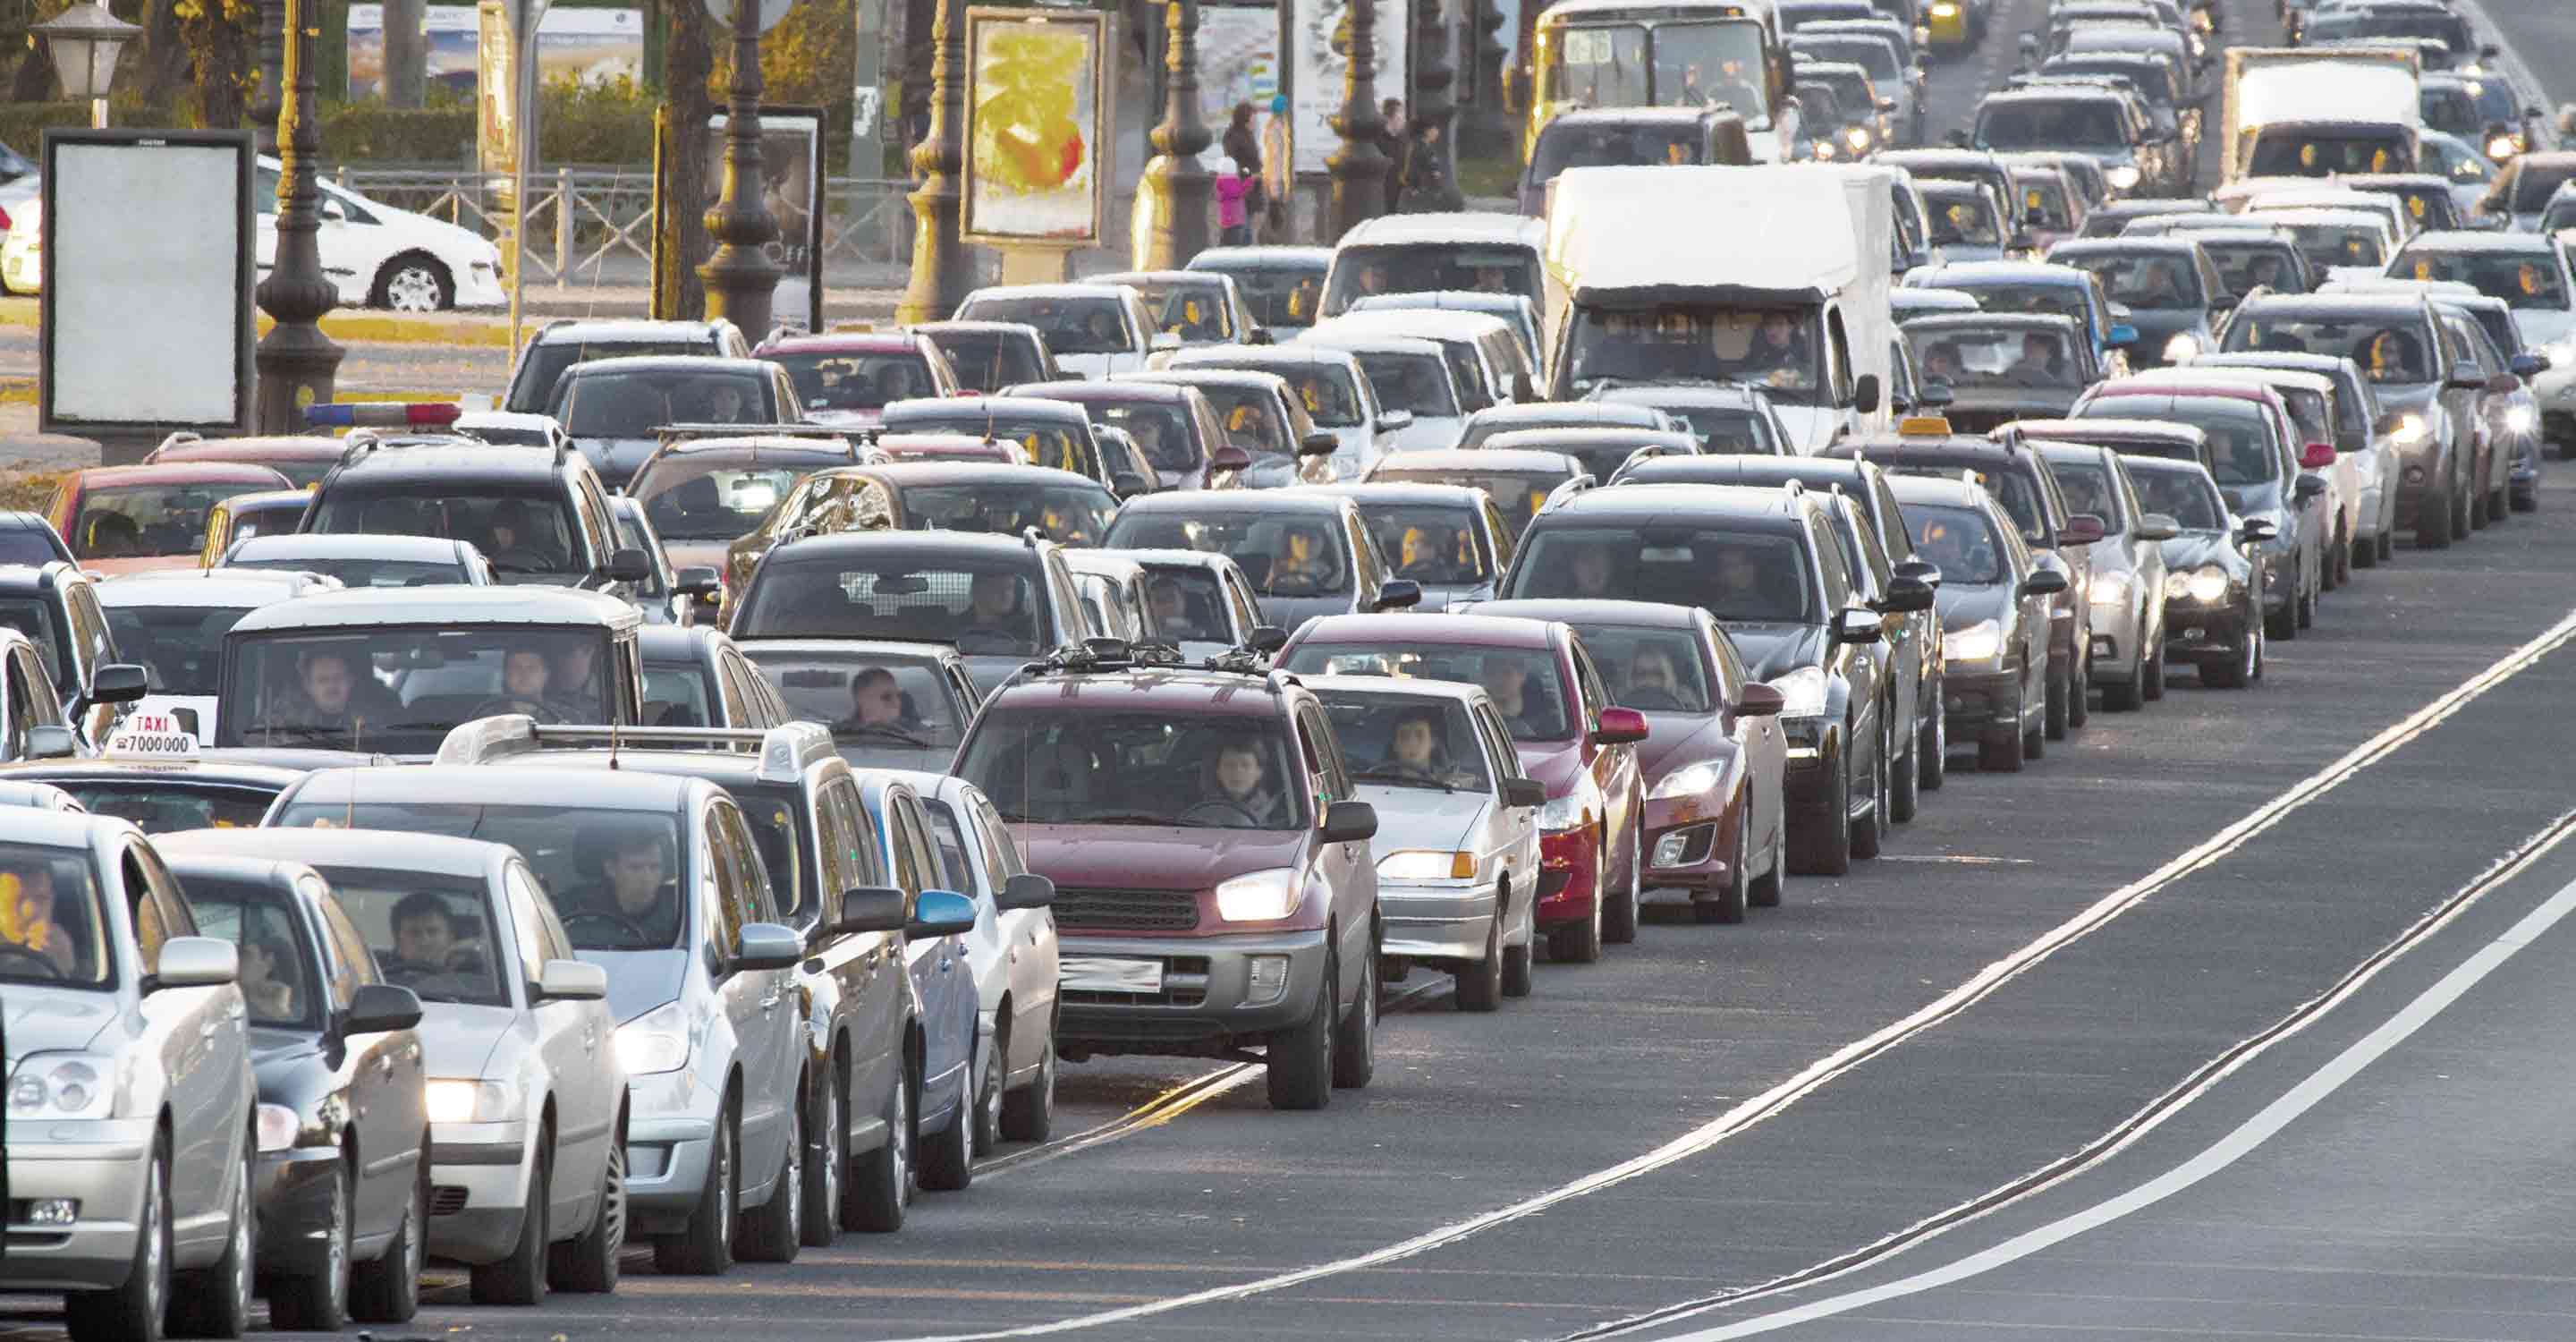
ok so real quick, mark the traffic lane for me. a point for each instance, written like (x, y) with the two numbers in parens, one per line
(2540, 33)
(2425, 1196)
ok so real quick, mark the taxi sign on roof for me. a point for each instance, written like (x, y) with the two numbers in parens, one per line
(151, 736)
(1923, 426)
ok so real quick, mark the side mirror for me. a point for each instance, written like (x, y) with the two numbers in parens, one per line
(2158, 527)
(1858, 626)
(767, 946)
(1619, 727)
(2528, 366)
(2317, 456)
(1028, 890)
(2504, 383)
(1318, 444)
(2308, 487)
(119, 683)
(1258, 335)
(197, 962)
(2043, 582)
(2123, 335)
(629, 565)
(1956, 139)
(2082, 529)
(697, 581)
(1128, 484)
(1229, 458)
(571, 981)
(334, 212)
(873, 908)
(1267, 639)
(2466, 377)
(378, 1007)
(1865, 393)
(940, 913)
(1391, 421)
(1906, 595)
(1399, 594)
(1523, 390)
(1349, 822)
(1921, 570)
(1760, 701)
(51, 743)
(2256, 530)
(1164, 340)
(1524, 792)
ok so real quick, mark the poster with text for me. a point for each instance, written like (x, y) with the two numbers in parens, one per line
(1238, 63)
(1322, 37)
(1034, 125)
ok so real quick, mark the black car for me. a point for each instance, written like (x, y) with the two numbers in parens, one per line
(613, 408)
(539, 515)
(999, 600)
(2109, 219)
(27, 538)
(2213, 573)
(1994, 604)
(2003, 366)
(2171, 285)
(168, 796)
(56, 606)
(341, 1182)
(1305, 554)
(1767, 564)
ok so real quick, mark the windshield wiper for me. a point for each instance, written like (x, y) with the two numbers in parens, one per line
(306, 731)
(1122, 818)
(499, 567)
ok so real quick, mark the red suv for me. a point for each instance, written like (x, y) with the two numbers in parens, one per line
(1214, 887)
(1570, 738)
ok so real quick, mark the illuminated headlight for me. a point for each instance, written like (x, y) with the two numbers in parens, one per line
(1572, 811)
(2208, 583)
(2522, 418)
(277, 1126)
(1979, 642)
(2411, 430)
(1857, 137)
(2182, 348)
(2110, 589)
(2124, 177)
(657, 1041)
(470, 1101)
(2502, 146)
(1427, 865)
(1825, 149)
(1945, 10)
(1260, 897)
(1689, 780)
(62, 1085)
(1804, 689)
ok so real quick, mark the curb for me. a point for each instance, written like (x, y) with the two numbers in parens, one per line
(353, 327)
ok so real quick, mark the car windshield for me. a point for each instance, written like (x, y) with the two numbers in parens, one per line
(2147, 75)
(2346, 25)
(2048, 300)
(1279, 294)
(528, 534)
(2044, 195)
(856, 381)
(1876, 55)
(1777, 347)
(1739, 577)
(2012, 491)
(2353, 244)
(1399, 740)
(280, 980)
(2307, 152)
(1566, 145)
(1526, 685)
(1962, 218)
(2152, 280)
(2522, 280)
(2535, 181)
(1189, 603)
(1961, 542)
(52, 927)
(1051, 443)
(35, 619)
(2393, 349)
(1726, 431)
(1071, 325)
(1517, 494)
(2244, 265)
(1252, 418)
(1193, 309)
(2086, 487)
(2240, 450)
(2087, 123)
(535, 386)
(2310, 413)
(31, 545)
(431, 932)
(1415, 382)
(354, 572)
(1051, 766)
(398, 690)
(983, 606)
(1420, 267)
(165, 803)
(2450, 108)
(701, 500)
(180, 647)
(2001, 356)
(127, 521)
(1428, 543)
(1065, 514)
(632, 404)
(2185, 496)
(988, 361)
(612, 872)
(1651, 670)
(1289, 554)
(1161, 428)
(866, 698)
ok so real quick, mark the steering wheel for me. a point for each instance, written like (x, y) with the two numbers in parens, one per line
(1250, 820)
(506, 704)
(11, 949)
(634, 930)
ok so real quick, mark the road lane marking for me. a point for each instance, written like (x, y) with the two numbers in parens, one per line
(1850, 1056)
(2250, 1135)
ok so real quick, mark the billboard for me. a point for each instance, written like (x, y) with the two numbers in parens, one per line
(1036, 125)
(791, 158)
(1322, 39)
(1238, 63)
(593, 45)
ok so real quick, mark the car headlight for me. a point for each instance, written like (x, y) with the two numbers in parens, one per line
(1945, 10)
(460, 1101)
(2208, 583)
(1424, 864)
(1258, 897)
(2177, 586)
(2110, 589)
(2522, 418)
(277, 1126)
(1571, 811)
(1804, 689)
(63, 1085)
(2183, 348)
(1689, 780)
(2124, 177)
(1979, 642)
(1825, 149)
(2502, 146)
(1857, 137)
(657, 1041)
(2411, 430)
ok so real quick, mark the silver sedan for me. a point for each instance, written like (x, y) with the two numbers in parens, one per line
(2128, 584)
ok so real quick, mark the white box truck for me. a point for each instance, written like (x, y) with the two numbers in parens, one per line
(2319, 111)
(1770, 275)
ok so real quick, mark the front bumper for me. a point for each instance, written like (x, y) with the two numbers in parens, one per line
(1204, 1007)
(670, 1137)
(477, 1189)
(2116, 640)
(291, 1199)
(2204, 633)
(477, 287)
(1975, 703)
(101, 1162)
(1686, 845)
(1569, 876)
(1445, 920)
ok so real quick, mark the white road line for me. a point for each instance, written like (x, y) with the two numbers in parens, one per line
(1817, 1074)
(2237, 1144)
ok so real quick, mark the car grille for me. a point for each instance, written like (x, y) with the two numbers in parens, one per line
(446, 1200)
(1126, 910)
(1185, 984)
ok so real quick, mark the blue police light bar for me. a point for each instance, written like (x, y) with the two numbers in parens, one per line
(382, 414)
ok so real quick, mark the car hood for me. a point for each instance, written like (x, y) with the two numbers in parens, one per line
(1555, 764)
(989, 670)
(1972, 251)
(2251, 500)
(2192, 549)
(1773, 650)
(1428, 433)
(2419, 397)
(639, 981)
(42, 1019)
(616, 458)
(2543, 326)
(1964, 604)
(1992, 407)
(1811, 427)
(1676, 739)
(2158, 325)
(1290, 612)
(1421, 817)
(1155, 857)
(457, 1040)
(695, 554)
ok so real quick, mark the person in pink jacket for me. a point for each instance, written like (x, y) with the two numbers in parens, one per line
(1233, 220)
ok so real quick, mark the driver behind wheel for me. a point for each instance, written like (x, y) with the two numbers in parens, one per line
(1653, 680)
(631, 886)
(876, 706)
(1237, 772)
(425, 943)
(27, 894)
(331, 696)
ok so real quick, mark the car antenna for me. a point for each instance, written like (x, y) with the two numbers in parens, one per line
(613, 741)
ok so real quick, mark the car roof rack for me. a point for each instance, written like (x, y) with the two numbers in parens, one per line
(785, 751)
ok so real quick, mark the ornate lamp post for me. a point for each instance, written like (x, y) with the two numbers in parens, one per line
(272, 75)
(1432, 108)
(741, 280)
(1358, 169)
(939, 270)
(83, 42)
(1174, 176)
(297, 363)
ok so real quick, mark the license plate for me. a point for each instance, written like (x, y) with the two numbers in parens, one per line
(2194, 635)
(1105, 975)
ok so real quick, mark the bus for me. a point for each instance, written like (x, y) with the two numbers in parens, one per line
(1663, 53)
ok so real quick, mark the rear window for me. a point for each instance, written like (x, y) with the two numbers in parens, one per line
(133, 520)
(988, 361)
(1526, 685)
(525, 532)
(1282, 554)
(180, 647)
(547, 360)
(1421, 267)
(1738, 577)
(160, 805)
(1279, 295)
(1071, 325)
(2523, 280)
(1961, 542)
(2395, 348)
(984, 606)
(856, 381)
(2238, 445)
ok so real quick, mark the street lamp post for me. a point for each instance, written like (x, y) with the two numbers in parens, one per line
(272, 75)
(298, 365)
(939, 265)
(1174, 177)
(83, 42)
(741, 279)
(1358, 168)
(1433, 108)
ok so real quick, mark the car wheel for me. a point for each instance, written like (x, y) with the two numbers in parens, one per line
(1480, 981)
(2527, 502)
(1619, 920)
(704, 1245)
(2154, 688)
(2001, 753)
(2500, 504)
(1727, 905)
(2388, 543)
(2365, 553)
(1933, 756)
(874, 1200)
(388, 1289)
(134, 1311)
(520, 1278)
(2079, 689)
(2125, 696)
(774, 1232)
(413, 282)
(2053, 716)
(1299, 1061)
(1580, 943)
(2433, 523)
(1867, 835)
(2463, 511)
(2306, 608)
(214, 1301)
(1905, 781)
(2343, 560)
(1028, 1114)
(587, 1264)
(2285, 625)
(826, 1165)
(319, 1303)
(948, 1155)
(2034, 743)
(1517, 978)
(988, 1091)
(1826, 849)
(1355, 1045)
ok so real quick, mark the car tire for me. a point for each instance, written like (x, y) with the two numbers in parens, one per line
(1028, 1114)
(388, 1289)
(2306, 608)
(1580, 943)
(413, 282)
(948, 1155)
(874, 1197)
(520, 1278)
(2240, 672)
(774, 1231)
(2126, 695)
(319, 1302)
(2463, 513)
(587, 1264)
(1905, 782)
(2284, 626)
(1355, 1039)
(704, 1246)
(2365, 553)
(2001, 753)
(1479, 982)
(2527, 502)
(1827, 849)
(2388, 542)
(2053, 717)
(1299, 1061)
(1867, 836)
(2034, 743)
(134, 1312)
(2433, 524)
(2079, 690)
(1932, 756)
(1728, 905)
(1619, 920)
(827, 1163)
(214, 1300)
(2343, 561)
(988, 1092)
(2326, 564)
(2155, 683)
(2500, 505)
(1518, 979)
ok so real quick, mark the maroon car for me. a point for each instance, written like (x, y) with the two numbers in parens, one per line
(1570, 734)
(1214, 885)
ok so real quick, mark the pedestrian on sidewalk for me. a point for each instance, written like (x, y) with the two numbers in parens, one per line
(1393, 142)
(1278, 173)
(1234, 191)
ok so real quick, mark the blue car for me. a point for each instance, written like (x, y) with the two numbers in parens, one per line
(944, 1113)
(2036, 286)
